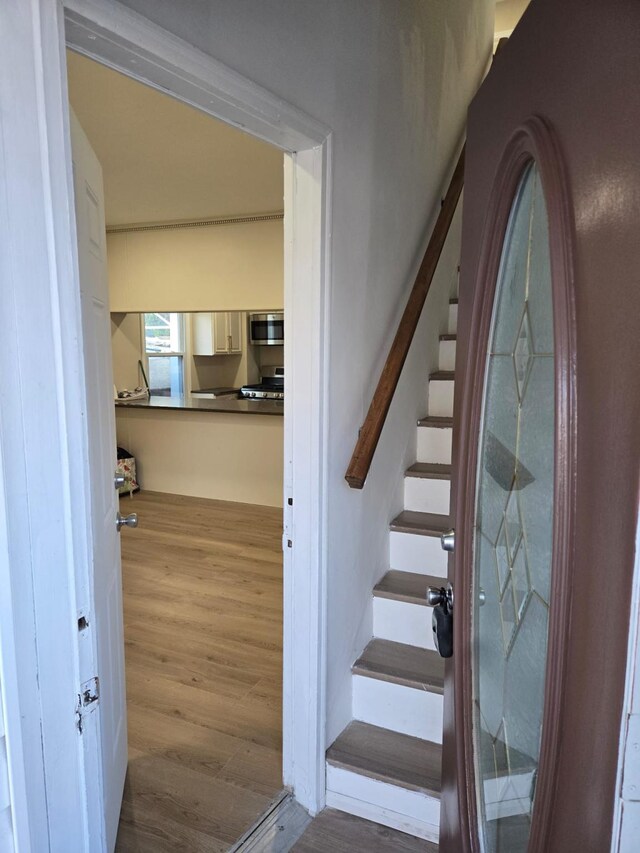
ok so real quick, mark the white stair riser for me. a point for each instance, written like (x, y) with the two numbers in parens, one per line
(434, 444)
(423, 494)
(407, 710)
(413, 812)
(410, 552)
(447, 355)
(441, 397)
(452, 325)
(403, 622)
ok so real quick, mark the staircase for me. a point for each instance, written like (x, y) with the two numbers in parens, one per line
(385, 766)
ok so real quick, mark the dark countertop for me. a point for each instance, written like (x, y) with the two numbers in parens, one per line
(222, 404)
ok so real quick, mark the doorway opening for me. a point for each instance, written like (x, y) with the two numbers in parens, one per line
(177, 69)
(200, 455)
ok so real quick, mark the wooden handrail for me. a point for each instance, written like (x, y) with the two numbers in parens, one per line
(371, 430)
(369, 434)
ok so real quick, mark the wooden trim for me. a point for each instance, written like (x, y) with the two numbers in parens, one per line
(371, 430)
(534, 141)
(195, 223)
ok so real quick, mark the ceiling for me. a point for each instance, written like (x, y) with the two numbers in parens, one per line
(165, 161)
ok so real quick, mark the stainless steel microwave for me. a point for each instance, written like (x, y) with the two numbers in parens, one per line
(267, 330)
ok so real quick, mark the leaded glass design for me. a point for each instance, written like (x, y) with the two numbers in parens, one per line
(513, 529)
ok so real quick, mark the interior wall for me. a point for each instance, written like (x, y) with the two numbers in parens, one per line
(508, 13)
(222, 456)
(200, 371)
(393, 81)
(206, 268)
(126, 350)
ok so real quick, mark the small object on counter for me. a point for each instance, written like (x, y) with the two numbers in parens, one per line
(215, 393)
(137, 394)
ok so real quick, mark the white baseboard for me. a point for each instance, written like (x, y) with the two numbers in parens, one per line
(398, 708)
(412, 812)
(441, 398)
(422, 494)
(402, 622)
(434, 444)
(447, 355)
(411, 552)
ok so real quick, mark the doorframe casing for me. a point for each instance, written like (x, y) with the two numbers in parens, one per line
(57, 804)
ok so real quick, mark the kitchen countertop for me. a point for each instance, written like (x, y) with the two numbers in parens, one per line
(231, 405)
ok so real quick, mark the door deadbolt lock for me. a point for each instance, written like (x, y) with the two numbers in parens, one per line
(130, 520)
(448, 540)
(441, 599)
(119, 480)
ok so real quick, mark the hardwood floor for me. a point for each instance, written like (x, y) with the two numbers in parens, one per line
(202, 586)
(336, 832)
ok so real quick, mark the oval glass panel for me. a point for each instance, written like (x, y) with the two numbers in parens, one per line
(514, 529)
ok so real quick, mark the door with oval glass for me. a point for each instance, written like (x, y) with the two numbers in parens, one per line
(531, 736)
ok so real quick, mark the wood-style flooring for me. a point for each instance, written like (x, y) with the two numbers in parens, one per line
(336, 832)
(202, 587)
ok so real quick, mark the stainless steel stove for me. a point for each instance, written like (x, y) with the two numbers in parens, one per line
(270, 388)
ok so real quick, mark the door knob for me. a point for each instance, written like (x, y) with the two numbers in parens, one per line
(435, 596)
(126, 520)
(439, 595)
(448, 540)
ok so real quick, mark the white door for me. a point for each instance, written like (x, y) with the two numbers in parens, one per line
(107, 586)
(235, 331)
(220, 333)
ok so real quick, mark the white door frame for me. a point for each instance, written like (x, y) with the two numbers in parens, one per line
(46, 510)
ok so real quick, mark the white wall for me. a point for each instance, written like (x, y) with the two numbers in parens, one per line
(126, 350)
(508, 13)
(200, 371)
(393, 81)
(211, 267)
(229, 457)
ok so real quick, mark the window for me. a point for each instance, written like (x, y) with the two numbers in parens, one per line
(164, 350)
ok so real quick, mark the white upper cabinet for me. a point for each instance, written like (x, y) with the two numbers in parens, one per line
(217, 333)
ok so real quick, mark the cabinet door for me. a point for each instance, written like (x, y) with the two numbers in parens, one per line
(220, 333)
(202, 333)
(234, 331)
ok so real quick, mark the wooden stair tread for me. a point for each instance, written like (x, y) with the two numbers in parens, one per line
(402, 664)
(437, 421)
(398, 759)
(429, 471)
(442, 376)
(406, 586)
(422, 523)
(448, 337)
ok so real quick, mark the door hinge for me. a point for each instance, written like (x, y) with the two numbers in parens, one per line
(88, 699)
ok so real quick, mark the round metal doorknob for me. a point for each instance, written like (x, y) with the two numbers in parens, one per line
(440, 595)
(448, 540)
(130, 520)
(435, 596)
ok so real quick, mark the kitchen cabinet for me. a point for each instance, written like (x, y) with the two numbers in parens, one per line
(217, 333)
